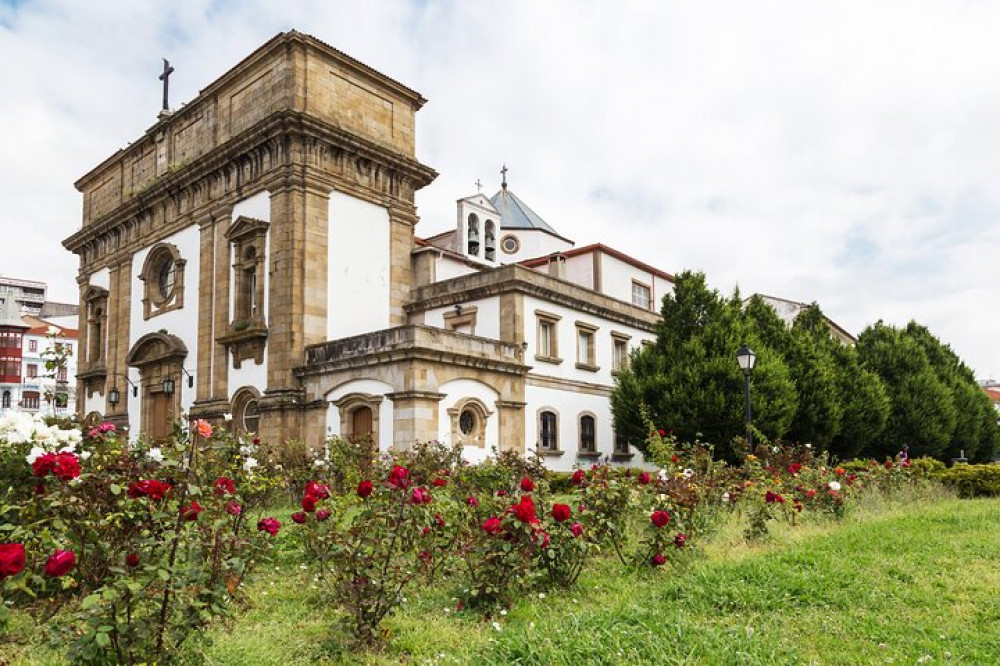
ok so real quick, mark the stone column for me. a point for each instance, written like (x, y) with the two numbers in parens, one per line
(512, 435)
(415, 417)
(402, 219)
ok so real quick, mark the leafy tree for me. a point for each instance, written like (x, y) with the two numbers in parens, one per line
(923, 413)
(689, 380)
(864, 402)
(810, 360)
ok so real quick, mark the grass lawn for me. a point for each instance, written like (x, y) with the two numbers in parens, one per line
(909, 584)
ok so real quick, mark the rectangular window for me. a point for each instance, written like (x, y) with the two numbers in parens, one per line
(586, 354)
(32, 370)
(33, 345)
(548, 436)
(588, 440)
(619, 351)
(621, 444)
(642, 295)
(547, 337)
(62, 375)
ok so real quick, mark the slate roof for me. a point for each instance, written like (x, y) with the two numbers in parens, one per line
(515, 214)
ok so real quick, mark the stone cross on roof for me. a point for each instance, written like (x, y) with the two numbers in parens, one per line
(165, 77)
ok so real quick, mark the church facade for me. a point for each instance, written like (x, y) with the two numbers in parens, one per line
(255, 254)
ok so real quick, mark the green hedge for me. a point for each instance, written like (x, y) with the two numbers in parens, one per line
(972, 480)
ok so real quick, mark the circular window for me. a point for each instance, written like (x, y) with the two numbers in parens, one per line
(251, 417)
(467, 421)
(166, 276)
(510, 244)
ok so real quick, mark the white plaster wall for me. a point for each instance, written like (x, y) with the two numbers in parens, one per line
(101, 278)
(569, 406)
(448, 267)
(487, 316)
(183, 322)
(533, 244)
(358, 259)
(371, 387)
(579, 270)
(250, 374)
(617, 276)
(567, 343)
(458, 390)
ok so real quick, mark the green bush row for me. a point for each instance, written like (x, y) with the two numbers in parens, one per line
(972, 480)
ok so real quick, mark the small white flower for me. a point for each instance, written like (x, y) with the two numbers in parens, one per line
(155, 454)
(809, 446)
(84, 455)
(531, 625)
(247, 450)
(726, 497)
(503, 611)
(688, 473)
(662, 475)
(249, 464)
(541, 595)
(35, 453)
(227, 417)
(496, 625)
(774, 449)
(834, 485)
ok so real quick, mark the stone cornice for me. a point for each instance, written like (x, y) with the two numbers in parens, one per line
(410, 343)
(515, 278)
(228, 162)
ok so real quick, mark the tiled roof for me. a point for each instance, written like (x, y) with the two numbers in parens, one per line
(586, 249)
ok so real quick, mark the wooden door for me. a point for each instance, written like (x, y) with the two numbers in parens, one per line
(161, 415)
(361, 423)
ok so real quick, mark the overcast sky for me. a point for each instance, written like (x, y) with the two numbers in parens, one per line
(839, 152)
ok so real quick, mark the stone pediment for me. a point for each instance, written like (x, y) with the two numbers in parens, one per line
(156, 348)
(244, 226)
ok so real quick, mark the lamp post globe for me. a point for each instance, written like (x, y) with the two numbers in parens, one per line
(747, 359)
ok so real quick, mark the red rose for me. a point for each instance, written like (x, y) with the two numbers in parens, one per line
(233, 508)
(365, 489)
(399, 477)
(545, 538)
(492, 525)
(527, 485)
(525, 510)
(439, 520)
(317, 490)
(501, 493)
(440, 483)
(43, 464)
(299, 518)
(581, 508)
(578, 477)
(658, 560)
(674, 458)
(810, 493)
(772, 497)
(322, 514)
(309, 503)
(190, 512)
(794, 469)
(680, 540)
(472, 501)
(60, 563)
(132, 560)
(660, 518)
(150, 488)
(420, 496)
(11, 559)
(888, 464)
(561, 512)
(67, 466)
(576, 529)
(661, 432)
(224, 486)
(269, 525)
(643, 478)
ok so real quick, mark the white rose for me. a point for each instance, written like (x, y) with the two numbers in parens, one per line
(834, 485)
(688, 473)
(35, 453)
(155, 454)
(249, 464)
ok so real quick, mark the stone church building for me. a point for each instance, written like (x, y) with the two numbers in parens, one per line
(255, 254)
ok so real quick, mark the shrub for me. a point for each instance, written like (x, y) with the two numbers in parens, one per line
(972, 480)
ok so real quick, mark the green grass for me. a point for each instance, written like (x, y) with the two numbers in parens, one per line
(899, 584)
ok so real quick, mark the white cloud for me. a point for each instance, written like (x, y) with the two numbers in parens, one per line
(837, 152)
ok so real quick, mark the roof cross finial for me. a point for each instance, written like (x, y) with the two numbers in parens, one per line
(165, 77)
(479, 186)
(503, 174)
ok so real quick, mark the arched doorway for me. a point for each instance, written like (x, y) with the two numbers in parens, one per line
(159, 357)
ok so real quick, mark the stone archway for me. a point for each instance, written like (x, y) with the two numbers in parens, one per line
(158, 356)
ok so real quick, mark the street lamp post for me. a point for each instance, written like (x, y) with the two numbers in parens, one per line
(746, 358)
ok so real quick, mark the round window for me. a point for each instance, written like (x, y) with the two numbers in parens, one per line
(467, 422)
(510, 244)
(166, 277)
